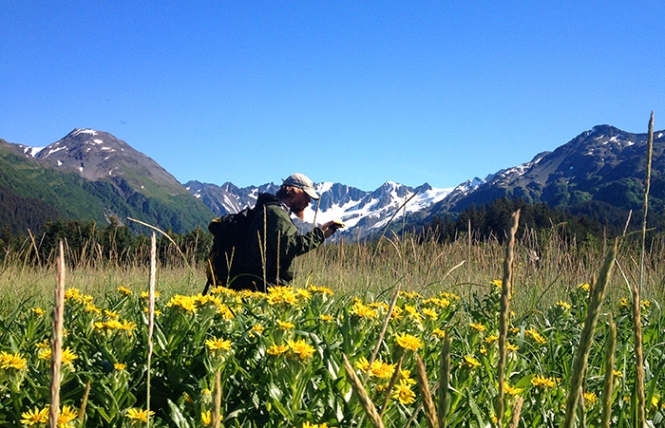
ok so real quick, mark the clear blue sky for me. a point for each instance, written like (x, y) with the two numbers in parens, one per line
(357, 92)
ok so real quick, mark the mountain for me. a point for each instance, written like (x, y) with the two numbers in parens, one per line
(92, 175)
(604, 164)
(362, 212)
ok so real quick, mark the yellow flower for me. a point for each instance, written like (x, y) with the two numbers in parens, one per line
(584, 286)
(286, 296)
(225, 311)
(256, 328)
(145, 294)
(362, 311)
(35, 417)
(413, 312)
(215, 344)
(512, 390)
(12, 361)
(206, 417)
(477, 327)
(438, 333)
(511, 348)
(645, 304)
(320, 290)
(124, 290)
(326, 318)
(187, 303)
(590, 399)
(543, 382)
(535, 336)
(285, 325)
(623, 302)
(471, 362)
(301, 349)
(68, 356)
(443, 303)
(407, 341)
(139, 415)
(66, 415)
(119, 366)
(38, 311)
(483, 350)
(491, 339)
(617, 373)
(564, 305)
(403, 393)
(497, 283)
(277, 349)
(430, 313)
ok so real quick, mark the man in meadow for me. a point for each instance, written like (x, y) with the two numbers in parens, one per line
(273, 240)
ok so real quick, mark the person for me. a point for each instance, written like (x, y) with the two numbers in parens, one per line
(273, 240)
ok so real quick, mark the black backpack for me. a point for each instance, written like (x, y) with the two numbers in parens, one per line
(229, 235)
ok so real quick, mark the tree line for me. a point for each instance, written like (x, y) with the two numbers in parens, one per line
(88, 244)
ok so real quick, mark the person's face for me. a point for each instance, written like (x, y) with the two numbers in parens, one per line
(299, 201)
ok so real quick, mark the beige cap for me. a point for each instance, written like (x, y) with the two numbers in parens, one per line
(303, 182)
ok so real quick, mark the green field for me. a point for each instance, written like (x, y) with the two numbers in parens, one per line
(279, 357)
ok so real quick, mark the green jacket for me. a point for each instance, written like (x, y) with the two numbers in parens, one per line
(274, 241)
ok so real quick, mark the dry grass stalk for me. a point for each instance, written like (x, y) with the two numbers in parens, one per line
(151, 315)
(639, 358)
(84, 404)
(359, 389)
(517, 410)
(428, 403)
(217, 401)
(444, 381)
(503, 315)
(391, 385)
(586, 338)
(56, 341)
(647, 185)
(609, 374)
(384, 327)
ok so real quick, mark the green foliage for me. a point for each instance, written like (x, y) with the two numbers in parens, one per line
(29, 187)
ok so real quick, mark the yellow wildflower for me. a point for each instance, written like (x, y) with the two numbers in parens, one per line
(438, 333)
(320, 290)
(407, 341)
(139, 415)
(403, 393)
(66, 415)
(584, 286)
(564, 305)
(511, 348)
(623, 302)
(510, 390)
(491, 339)
(285, 325)
(470, 362)
(362, 311)
(326, 318)
(119, 366)
(497, 283)
(590, 399)
(38, 311)
(215, 344)
(277, 349)
(535, 336)
(124, 290)
(35, 417)
(430, 313)
(286, 296)
(12, 361)
(477, 326)
(301, 349)
(543, 382)
(145, 294)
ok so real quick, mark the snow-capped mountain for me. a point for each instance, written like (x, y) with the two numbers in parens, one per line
(362, 212)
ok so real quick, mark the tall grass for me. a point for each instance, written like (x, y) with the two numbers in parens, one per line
(364, 269)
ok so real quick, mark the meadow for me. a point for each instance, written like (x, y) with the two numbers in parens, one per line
(395, 333)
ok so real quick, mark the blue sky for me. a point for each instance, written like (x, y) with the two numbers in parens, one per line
(357, 92)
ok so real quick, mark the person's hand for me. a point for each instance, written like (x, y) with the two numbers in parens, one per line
(330, 227)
